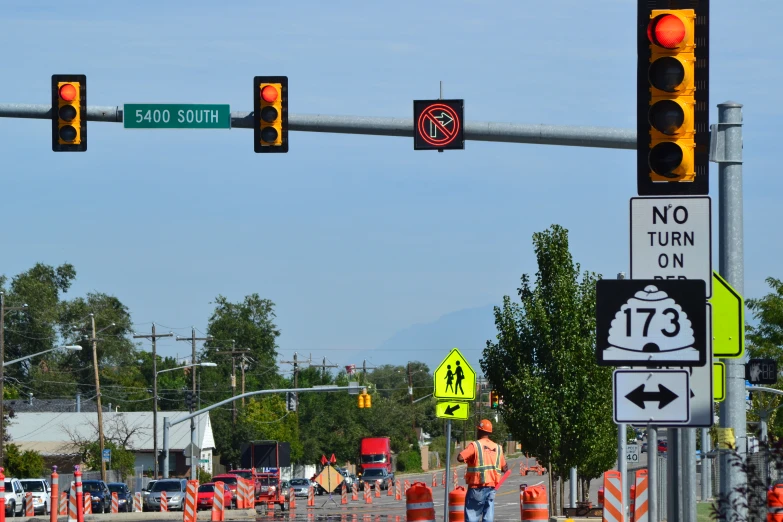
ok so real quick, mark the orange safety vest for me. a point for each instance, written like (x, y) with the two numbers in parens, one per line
(484, 472)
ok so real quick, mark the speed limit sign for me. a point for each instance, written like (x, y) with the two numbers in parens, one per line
(632, 453)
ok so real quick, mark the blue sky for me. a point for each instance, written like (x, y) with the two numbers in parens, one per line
(355, 238)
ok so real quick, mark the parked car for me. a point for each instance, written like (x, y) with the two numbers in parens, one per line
(230, 480)
(663, 446)
(175, 494)
(644, 447)
(301, 486)
(124, 498)
(284, 488)
(206, 496)
(14, 498)
(42, 494)
(376, 477)
(346, 476)
(145, 492)
(100, 497)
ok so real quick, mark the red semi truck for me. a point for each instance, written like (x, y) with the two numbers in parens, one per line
(375, 452)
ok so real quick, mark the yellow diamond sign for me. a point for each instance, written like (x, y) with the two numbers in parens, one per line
(455, 379)
(728, 320)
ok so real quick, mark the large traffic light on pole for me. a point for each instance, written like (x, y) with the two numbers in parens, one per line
(69, 112)
(270, 113)
(673, 97)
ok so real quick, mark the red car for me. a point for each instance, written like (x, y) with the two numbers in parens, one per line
(229, 479)
(206, 494)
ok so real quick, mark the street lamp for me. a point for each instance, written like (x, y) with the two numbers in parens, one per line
(155, 401)
(67, 347)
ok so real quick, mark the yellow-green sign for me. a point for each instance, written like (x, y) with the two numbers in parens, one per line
(455, 379)
(452, 410)
(728, 320)
(718, 381)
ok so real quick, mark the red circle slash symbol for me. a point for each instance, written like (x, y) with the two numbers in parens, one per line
(438, 124)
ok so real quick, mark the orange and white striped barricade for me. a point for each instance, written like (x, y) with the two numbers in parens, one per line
(137, 506)
(311, 495)
(29, 509)
(640, 511)
(434, 480)
(240, 495)
(523, 466)
(251, 495)
(418, 503)
(291, 499)
(54, 496)
(457, 504)
(613, 497)
(344, 494)
(87, 504)
(443, 478)
(389, 492)
(354, 491)
(377, 489)
(115, 502)
(775, 504)
(535, 503)
(405, 487)
(79, 509)
(72, 503)
(631, 502)
(189, 508)
(164, 502)
(397, 490)
(218, 507)
(367, 494)
(2, 494)
(62, 508)
(454, 478)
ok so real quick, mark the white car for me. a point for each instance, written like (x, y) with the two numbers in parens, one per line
(14, 498)
(42, 494)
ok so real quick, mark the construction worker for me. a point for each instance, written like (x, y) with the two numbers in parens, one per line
(486, 464)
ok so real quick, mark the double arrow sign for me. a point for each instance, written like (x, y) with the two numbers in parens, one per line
(664, 395)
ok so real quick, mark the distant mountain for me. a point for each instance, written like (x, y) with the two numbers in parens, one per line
(467, 329)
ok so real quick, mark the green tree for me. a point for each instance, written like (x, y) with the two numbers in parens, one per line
(557, 401)
(29, 463)
(122, 460)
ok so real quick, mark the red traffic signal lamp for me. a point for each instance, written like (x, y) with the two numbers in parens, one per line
(270, 113)
(672, 98)
(69, 112)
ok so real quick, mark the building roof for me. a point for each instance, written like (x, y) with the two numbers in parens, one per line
(49, 405)
(52, 433)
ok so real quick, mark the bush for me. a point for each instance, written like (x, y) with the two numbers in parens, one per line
(409, 461)
(203, 476)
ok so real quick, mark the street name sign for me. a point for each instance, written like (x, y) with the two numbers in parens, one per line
(632, 453)
(671, 238)
(728, 328)
(454, 410)
(107, 455)
(644, 322)
(176, 116)
(651, 397)
(455, 379)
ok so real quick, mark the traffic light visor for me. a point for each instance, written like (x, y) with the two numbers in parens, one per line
(666, 30)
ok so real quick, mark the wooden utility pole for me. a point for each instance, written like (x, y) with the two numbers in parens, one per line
(193, 339)
(410, 393)
(296, 363)
(3, 310)
(154, 337)
(94, 340)
(233, 354)
(364, 370)
(323, 367)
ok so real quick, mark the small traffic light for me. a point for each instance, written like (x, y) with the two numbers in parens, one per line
(69, 112)
(189, 399)
(361, 398)
(270, 113)
(493, 399)
(672, 98)
(365, 400)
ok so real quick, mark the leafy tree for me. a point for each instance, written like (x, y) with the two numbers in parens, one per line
(122, 460)
(557, 401)
(29, 463)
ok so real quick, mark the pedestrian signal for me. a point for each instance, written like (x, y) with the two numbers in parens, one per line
(69, 112)
(270, 113)
(672, 99)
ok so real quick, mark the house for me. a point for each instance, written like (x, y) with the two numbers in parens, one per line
(56, 436)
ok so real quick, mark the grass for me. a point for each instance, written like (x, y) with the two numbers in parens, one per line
(703, 511)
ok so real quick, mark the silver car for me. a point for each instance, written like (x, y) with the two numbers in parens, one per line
(300, 486)
(175, 494)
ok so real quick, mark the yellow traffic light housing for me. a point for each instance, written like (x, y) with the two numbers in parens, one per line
(69, 113)
(270, 113)
(365, 400)
(672, 97)
(361, 399)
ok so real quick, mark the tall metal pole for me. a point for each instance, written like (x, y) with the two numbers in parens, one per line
(688, 464)
(2, 375)
(448, 471)
(166, 427)
(98, 397)
(674, 472)
(652, 473)
(622, 464)
(572, 486)
(706, 466)
(731, 257)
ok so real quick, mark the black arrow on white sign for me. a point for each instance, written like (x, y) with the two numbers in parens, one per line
(663, 396)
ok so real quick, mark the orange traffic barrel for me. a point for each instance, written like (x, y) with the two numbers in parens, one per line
(535, 503)
(418, 503)
(775, 504)
(632, 494)
(457, 504)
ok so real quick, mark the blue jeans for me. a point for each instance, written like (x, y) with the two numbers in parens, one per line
(478, 502)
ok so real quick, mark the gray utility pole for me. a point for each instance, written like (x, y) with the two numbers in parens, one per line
(688, 465)
(706, 465)
(353, 388)
(600, 137)
(652, 473)
(295, 363)
(154, 337)
(3, 310)
(193, 437)
(674, 474)
(726, 150)
(622, 449)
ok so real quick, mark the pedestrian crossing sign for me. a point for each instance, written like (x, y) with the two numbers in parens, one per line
(455, 379)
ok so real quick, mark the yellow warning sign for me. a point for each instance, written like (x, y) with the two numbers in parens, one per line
(718, 381)
(455, 379)
(728, 320)
(454, 410)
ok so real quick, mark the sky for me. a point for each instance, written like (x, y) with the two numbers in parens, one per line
(369, 250)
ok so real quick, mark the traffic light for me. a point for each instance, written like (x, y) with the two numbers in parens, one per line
(493, 400)
(672, 98)
(365, 400)
(69, 112)
(189, 399)
(270, 113)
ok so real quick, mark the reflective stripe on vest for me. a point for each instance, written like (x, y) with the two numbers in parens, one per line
(482, 468)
